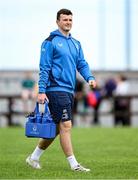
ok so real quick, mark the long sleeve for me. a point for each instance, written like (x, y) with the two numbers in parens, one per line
(83, 67)
(45, 65)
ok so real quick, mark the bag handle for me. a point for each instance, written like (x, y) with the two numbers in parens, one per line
(46, 109)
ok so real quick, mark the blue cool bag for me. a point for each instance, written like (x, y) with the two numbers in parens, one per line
(40, 125)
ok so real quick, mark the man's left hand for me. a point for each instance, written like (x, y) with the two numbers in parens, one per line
(92, 83)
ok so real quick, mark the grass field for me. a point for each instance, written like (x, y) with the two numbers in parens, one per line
(110, 153)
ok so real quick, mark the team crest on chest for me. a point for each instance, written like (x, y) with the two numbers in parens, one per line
(60, 44)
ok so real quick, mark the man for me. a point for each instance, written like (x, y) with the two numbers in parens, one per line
(61, 56)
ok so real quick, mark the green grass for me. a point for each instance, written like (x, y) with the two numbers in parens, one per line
(110, 153)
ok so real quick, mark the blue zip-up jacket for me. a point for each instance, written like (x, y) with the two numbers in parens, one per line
(60, 57)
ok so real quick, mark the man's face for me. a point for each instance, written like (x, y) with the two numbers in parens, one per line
(65, 22)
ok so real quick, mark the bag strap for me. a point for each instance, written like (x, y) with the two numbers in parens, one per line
(46, 109)
(36, 108)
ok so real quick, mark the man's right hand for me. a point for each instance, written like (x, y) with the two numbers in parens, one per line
(42, 98)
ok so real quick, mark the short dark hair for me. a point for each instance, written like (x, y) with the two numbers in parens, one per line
(63, 11)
